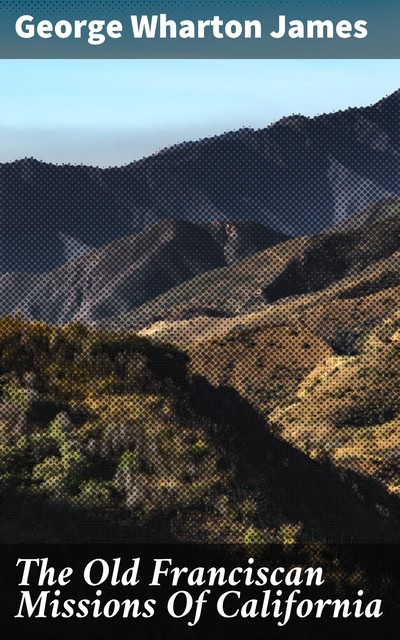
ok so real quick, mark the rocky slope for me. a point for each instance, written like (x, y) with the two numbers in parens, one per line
(364, 257)
(119, 277)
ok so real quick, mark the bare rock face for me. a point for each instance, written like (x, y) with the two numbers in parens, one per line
(352, 192)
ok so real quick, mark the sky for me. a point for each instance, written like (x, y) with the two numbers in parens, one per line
(111, 112)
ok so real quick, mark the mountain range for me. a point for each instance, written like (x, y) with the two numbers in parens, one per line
(298, 175)
(205, 343)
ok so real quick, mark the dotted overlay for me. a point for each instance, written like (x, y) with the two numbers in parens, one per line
(206, 343)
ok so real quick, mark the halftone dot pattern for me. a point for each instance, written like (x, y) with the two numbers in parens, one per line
(205, 343)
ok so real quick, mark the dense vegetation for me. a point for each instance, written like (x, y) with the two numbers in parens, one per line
(106, 423)
(354, 401)
(115, 426)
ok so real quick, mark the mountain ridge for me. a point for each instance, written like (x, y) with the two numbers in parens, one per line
(277, 176)
(295, 267)
(124, 274)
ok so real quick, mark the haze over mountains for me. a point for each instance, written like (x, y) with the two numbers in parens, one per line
(299, 176)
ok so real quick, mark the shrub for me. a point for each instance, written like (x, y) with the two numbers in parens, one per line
(370, 412)
(254, 540)
(48, 470)
(129, 461)
(60, 427)
(9, 458)
(43, 445)
(94, 494)
(199, 450)
(18, 396)
(289, 533)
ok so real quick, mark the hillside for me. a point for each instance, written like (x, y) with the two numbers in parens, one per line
(265, 364)
(124, 274)
(335, 407)
(299, 175)
(203, 345)
(116, 427)
(293, 268)
(347, 409)
(339, 320)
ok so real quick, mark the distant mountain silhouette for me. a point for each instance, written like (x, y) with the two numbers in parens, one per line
(286, 176)
(129, 271)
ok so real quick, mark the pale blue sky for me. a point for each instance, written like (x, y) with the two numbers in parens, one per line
(108, 112)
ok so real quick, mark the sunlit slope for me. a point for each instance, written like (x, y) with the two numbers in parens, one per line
(347, 409)
(114, 427)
